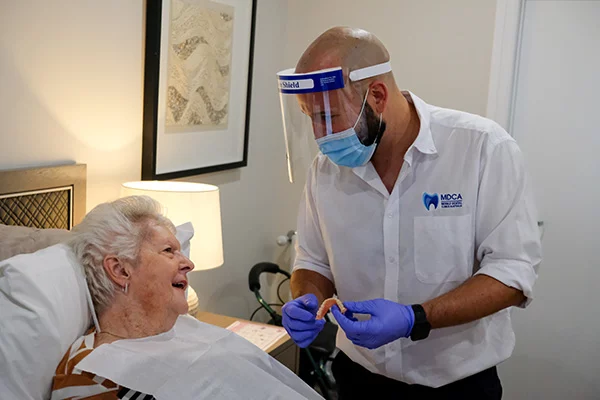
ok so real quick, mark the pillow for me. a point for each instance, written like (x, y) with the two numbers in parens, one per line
(22, 240)
(43, 310)
(184, 234)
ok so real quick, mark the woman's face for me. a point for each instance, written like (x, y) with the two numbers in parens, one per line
(160, 279)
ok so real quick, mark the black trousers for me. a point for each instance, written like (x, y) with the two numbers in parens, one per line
(356, 382)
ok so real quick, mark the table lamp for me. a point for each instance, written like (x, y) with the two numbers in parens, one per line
(189, 202)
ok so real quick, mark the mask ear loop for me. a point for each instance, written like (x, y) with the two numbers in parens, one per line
(88, 295)
(361, 109)
(379, 132)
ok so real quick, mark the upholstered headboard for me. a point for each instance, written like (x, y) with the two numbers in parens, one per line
(38, 206)
(47, 197)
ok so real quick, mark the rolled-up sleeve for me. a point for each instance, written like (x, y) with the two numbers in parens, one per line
(310, 248)
(507, 236)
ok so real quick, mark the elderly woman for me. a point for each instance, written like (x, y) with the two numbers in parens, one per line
(137, 277)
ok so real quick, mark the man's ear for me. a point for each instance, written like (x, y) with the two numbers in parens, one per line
(378, 92)
(116, 270)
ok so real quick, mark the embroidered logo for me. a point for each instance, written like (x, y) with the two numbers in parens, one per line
(431, 200)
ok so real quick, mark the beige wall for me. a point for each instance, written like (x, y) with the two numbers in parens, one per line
(440, 50)
(71, 90)
(257, 202)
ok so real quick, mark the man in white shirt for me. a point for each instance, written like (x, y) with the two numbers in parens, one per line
(419, 217)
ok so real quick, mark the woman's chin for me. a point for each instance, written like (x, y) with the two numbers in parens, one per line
(183, 310)
(181, 302)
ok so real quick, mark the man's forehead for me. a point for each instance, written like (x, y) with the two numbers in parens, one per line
(331, 98)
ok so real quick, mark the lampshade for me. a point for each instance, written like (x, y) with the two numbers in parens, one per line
(189, 202)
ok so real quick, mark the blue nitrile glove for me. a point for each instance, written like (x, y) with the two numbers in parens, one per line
(299, 319)
(389, 321)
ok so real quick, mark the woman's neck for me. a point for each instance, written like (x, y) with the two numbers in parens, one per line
(122, 320)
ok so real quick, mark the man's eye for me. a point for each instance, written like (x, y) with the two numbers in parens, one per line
(169, 250)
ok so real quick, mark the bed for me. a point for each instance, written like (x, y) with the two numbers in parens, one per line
(40, 299)
(45, 307)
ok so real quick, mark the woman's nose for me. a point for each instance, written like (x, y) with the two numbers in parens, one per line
(186, 265)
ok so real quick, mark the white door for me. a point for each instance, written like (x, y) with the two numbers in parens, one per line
(557, 124)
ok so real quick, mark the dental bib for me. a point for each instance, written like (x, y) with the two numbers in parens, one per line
(193, 361)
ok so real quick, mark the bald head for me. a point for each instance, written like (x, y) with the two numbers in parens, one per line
(342, 46)
(385, 107)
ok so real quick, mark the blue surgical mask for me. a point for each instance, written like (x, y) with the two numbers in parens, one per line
(345, 148)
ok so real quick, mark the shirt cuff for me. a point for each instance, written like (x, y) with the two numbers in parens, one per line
(311, 266)
(516, 274)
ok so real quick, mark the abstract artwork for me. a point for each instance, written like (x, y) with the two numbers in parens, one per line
(198, 70)
(199, 64)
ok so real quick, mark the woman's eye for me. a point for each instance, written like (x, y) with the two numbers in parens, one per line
(169, 250)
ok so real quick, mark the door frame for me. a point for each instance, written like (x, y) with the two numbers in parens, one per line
(504, 69)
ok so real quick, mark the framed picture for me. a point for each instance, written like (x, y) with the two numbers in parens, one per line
(197, 86)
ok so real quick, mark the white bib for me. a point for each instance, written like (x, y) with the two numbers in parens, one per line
(194, 361)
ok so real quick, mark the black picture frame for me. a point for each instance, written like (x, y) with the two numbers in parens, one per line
(152, 61)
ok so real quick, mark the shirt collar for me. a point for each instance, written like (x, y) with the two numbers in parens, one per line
(424, 141)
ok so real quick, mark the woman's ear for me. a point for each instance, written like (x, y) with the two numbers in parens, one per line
(379, 93)
(116, 270)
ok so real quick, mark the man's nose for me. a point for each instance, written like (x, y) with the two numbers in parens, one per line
(319, 129)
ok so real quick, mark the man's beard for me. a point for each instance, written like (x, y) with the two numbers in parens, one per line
(369, 130)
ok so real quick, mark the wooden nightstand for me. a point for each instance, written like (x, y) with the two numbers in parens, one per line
(284, 350)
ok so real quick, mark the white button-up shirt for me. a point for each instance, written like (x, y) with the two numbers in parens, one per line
(461, 206)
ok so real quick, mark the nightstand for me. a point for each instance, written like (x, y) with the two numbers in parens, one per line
(284, 350)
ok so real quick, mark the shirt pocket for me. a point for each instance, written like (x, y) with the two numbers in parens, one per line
(443, 248)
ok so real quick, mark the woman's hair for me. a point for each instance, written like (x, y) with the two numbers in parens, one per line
(115, 228)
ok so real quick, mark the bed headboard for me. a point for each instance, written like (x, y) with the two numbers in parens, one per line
(43, 197)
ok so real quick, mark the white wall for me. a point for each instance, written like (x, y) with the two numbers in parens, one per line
(257, 202)
(71, 88)
(71, 76)
(556, 122)
(440, 50)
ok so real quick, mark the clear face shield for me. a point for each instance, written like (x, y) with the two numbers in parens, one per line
(321, 114)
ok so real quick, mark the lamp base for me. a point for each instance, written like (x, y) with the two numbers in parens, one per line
(192, 300)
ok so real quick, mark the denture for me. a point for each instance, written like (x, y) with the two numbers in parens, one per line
(327, 304)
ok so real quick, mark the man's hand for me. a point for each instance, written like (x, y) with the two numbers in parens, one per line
(389, 321)
(299, 319)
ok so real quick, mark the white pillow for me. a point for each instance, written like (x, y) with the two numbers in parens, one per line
(184, 234)
(43, 310)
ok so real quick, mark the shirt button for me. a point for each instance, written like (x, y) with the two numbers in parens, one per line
(391, 259)
(390, 215)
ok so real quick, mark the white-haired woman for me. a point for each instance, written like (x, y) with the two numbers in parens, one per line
(136, 274)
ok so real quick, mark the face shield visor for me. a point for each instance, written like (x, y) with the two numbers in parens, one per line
(320, 113)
